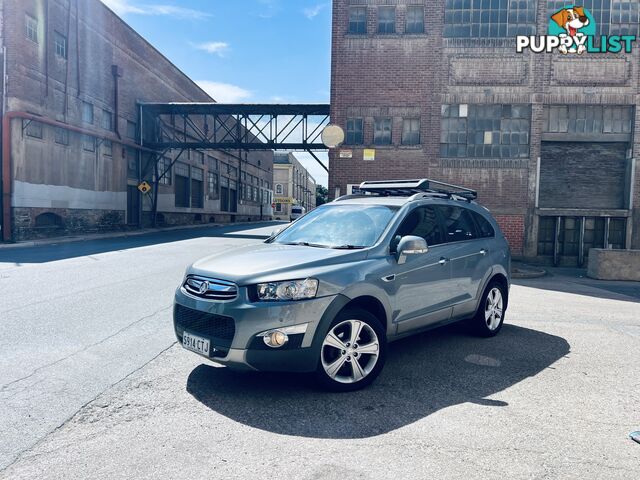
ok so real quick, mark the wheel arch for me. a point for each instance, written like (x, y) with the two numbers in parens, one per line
(372, 305)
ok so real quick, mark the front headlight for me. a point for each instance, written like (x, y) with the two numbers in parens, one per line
(289, 290)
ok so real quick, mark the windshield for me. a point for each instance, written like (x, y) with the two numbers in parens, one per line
(339, 226)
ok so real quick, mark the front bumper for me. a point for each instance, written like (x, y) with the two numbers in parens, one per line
(233, 339)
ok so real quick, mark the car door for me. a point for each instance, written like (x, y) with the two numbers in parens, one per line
(468, 256)
(421, 287)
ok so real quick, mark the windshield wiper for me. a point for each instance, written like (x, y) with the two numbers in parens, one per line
(348, 247)
(307, 244)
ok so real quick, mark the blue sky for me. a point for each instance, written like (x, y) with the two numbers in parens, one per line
(243, 51)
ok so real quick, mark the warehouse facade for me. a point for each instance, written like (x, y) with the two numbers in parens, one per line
(437, 89)
(74, 76)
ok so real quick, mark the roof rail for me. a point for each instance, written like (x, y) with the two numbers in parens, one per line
(405, 188)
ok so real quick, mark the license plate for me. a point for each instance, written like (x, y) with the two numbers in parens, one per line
(196, 344)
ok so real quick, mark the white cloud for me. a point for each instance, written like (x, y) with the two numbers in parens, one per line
(314, 11)
(125, 7)
(270, 8)
(216, 48)
(225, 92)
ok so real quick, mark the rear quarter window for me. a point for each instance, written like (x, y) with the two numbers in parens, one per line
(485, 229)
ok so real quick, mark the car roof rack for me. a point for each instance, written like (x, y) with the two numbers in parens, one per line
(425, 186)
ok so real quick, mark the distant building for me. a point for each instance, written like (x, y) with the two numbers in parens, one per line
(293, 185)
(437, 89)
(75, 73)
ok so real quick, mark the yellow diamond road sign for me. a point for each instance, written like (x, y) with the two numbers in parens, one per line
(144, 187)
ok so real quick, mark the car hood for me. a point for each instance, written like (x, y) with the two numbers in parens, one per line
(272, 262)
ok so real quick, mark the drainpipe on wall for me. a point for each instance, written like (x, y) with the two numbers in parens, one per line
(116, 71)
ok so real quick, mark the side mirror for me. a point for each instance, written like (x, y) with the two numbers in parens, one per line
(410, 245)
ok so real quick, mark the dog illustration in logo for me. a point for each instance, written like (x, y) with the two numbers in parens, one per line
(572, 19)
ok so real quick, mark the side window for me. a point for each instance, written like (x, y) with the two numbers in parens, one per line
(485, 229)
(422, 222)
(458, 224)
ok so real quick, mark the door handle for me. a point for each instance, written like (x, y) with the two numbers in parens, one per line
(483, 251)
(443, 261)
(389, 278)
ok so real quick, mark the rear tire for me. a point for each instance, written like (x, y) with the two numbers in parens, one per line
(489, 318)
(352, 352)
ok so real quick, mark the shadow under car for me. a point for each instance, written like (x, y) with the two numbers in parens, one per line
(422, 375)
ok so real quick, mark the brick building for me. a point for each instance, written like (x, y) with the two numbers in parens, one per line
(293, 185)
(436, 89)
(74, 74)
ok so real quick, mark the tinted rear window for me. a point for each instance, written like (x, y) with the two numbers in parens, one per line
(458, 224)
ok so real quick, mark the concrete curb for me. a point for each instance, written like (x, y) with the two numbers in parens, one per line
(102, 236)
(527, 271)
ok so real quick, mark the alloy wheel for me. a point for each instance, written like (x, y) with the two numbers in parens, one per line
(493, 309)
(350, 351)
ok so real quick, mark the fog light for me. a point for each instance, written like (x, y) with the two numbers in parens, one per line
(275, 338)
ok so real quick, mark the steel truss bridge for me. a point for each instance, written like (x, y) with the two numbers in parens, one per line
(215, 126)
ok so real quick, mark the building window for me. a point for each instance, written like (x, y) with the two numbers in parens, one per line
(133, 169)
(132, 130)
(164, 171)
(108, 148)
(354, 131)
(182, 193)
(33, 128)
(60, 42)
(107, 120)
(489, 18)
(61, 136)
(279, 189)
(382, 131)
(213, 185)
(212, 163)
(87, 112)
(197, 187)
(485, 131)
(411, 131)
(358, 20)
(199, 157)
(278, 207)
(588, 119)
(612, 17)
(386, 19)
(88, 143)
(415, 20)
(31, 28)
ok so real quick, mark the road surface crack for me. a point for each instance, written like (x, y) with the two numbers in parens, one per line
(35, 445)
(84, 349)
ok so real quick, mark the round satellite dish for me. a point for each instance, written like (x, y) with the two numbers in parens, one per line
(333, 136)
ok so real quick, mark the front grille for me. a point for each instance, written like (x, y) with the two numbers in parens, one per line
(210, 289)
(218, 328)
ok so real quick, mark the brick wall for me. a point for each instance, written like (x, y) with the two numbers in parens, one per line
(513, 228)
(414, 75)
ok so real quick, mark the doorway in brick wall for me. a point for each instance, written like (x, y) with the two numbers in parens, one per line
(133, 205)
(566, 240)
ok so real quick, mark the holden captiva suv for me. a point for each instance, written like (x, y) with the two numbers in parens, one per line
(329, 292)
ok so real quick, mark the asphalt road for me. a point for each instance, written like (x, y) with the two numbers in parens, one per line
(93, 387)
(76, 318)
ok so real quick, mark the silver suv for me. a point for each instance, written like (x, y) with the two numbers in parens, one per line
(331, 290)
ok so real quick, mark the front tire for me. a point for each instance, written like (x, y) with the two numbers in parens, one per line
(489, 318)
(352, 352)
